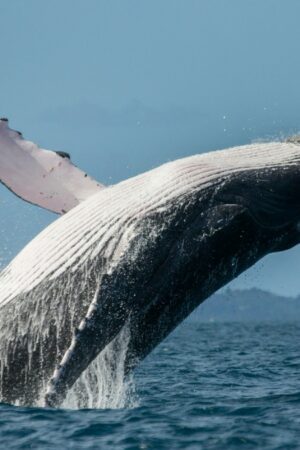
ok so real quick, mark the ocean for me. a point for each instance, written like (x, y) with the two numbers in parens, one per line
(207, 386)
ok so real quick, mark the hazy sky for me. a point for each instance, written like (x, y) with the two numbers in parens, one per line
(127, 85)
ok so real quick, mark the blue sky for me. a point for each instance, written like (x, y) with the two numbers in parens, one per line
(125, 85)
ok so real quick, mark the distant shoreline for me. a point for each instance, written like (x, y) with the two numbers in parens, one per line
(249, 305)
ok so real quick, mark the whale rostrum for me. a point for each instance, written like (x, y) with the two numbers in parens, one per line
(143, 253)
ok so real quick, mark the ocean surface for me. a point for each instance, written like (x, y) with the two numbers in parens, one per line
(208, 386)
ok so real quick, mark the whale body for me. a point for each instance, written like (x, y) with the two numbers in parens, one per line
(143, 253)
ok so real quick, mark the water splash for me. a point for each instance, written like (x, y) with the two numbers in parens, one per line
(103, 384)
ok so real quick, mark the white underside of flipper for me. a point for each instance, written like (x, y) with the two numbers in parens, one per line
(43, 177)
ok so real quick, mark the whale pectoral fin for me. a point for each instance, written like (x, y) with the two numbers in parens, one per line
(43, 177)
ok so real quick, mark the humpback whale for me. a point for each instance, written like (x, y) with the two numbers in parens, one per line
(143, 253)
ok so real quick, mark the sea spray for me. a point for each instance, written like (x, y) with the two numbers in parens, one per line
(103, 384)
(42, 326)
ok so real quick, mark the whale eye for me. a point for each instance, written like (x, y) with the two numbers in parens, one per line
(63, 154)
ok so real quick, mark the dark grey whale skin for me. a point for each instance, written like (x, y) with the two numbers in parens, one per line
(232, 249)
(261, 217)
(209, 241)
(201, 242)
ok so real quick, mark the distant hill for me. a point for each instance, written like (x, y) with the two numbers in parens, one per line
(252, 305)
